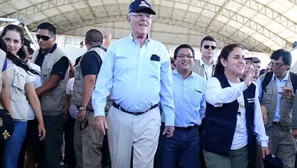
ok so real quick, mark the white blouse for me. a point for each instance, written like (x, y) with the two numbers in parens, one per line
(217, 96)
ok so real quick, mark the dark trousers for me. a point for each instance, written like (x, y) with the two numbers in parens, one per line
(296, 161)
(29, 143)
(51, 146)
(1, 151)
(202, 161)
(106, 162)
(69, 145)
(181, 150)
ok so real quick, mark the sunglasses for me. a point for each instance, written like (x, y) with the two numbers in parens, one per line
(209, 46)
(44, 38)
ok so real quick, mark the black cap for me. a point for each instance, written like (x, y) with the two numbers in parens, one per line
(141, 6)
(271, 161)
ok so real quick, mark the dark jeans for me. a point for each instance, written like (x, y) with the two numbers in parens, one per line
(29, 143)
(202, 161)
(69, 145)
(51, 145)
(181, 150)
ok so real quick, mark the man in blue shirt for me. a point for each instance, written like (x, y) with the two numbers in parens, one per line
(136, 71)
(189, 102)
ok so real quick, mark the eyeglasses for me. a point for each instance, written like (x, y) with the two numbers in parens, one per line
(209, 46)
(44, 38)
(183, 56)
(277, 65)
(141, 15)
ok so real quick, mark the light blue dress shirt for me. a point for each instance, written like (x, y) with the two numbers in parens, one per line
(279, 85)
(189, 99)
(137, 78)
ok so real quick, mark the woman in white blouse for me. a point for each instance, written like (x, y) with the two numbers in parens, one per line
(233, 118)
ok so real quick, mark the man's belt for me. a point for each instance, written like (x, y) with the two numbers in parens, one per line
(133, 113)
(189, 128)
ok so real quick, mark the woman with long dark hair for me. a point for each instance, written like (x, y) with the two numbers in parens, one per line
(233, 117)
(21, 85)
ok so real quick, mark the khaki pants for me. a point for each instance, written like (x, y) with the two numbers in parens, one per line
(282, 144)
(237, 159)
(127, 132)
(88, 144)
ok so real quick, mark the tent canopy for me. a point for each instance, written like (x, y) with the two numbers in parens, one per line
(259, 25)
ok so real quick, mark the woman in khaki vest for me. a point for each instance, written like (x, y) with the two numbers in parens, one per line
(21, 85)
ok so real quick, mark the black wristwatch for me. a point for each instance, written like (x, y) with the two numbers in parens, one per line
(81, 108)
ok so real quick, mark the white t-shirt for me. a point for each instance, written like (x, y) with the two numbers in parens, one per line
(69, 90)
(240, 138)
(37, 84)
(208, 70)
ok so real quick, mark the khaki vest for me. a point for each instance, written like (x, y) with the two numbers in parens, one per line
(78, 86)
(2, 60)
(200, 69)
(52, 102)
(269, 101)
(16, 79)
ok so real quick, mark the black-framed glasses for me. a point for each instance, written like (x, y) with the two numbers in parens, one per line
(277, 65)
(184, 56)
(141, 15)
(44, 38)
(209, 46)
(83, 125)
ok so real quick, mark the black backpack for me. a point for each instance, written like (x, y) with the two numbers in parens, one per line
(268, 77)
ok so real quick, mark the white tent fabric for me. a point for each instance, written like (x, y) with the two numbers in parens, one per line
(260, 25)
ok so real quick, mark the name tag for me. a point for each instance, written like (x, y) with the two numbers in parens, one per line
(251, 100)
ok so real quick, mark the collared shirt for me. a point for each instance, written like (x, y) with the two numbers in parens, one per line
(217, 96)
(137, 77)
(208, 69)
(73, 111)
(189, 99)
(40, 58)
(37, 83)
(279, 85)
(59, 68)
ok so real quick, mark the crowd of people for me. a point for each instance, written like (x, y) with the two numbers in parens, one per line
(127, 104)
